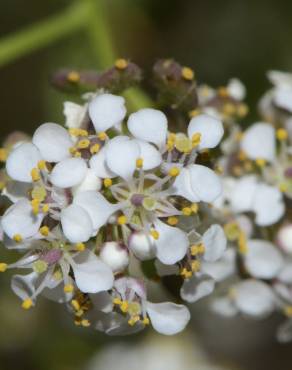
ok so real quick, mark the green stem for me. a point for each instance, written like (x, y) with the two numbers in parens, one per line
(99, 33)
(43, 33)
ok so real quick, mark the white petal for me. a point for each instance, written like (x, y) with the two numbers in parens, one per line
(106, 111)
(168, 318)
(55, 291)
(284, 238)
(74, 114)
(19, 219)
(172, 243)
(21, 161)
(121, 156)
(283, 98)
(215, 243)
(262, 259)
(196, 288)
(242, 194)
(149, 125)
(280, 79)
(102, 301)
(53, 142)
(210, 128)
(205, 183)
(268, 205)
(76, 224)
(69, 172)
(150, 155)
(24, 285)
(115, 255)
(96, 206)
(98, 164)
(90, 182)
(254, 298)
(16, 190)
(91, 274)
(259, 141)
(142, 245)
(221, 269)
(224, 307)
(182, 186)
(285, 274)
(236, 89)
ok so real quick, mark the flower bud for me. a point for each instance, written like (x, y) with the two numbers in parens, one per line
(115, 255)
(284, 238)
(142, 245)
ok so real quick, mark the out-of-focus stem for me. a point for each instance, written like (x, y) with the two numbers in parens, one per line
(43, 33)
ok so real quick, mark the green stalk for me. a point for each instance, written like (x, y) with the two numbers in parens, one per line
(99, 33)
(43, 33)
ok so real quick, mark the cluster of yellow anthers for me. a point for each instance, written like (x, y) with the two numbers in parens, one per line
(193, 265)
(133, 309)
(235, 234)
(182, 143)
(81, 304)
(86, 141)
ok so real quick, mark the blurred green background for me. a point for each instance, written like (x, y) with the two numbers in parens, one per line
(220, 40)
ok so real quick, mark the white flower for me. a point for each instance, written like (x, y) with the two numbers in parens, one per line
(115, 255)
(135, 311)
(252, 298)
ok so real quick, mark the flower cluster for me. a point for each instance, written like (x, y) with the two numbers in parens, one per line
(114, 205)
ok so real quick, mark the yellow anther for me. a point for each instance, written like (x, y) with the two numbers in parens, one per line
(35, 174)
(102, 136)
(194, 250)
(107, 182)
(73, 77)
(17, 238)
(77, 154)
(174, 171)
(3, 154)
(72, 150)
(187, 73)
(27, 304)
(35, 203)
(85, 323)
(45, 208)
(39, 193)
(83, 132)
(94, 148)
(196, 139)
(121, 63)
(124, 306)
(260, 162)
(241, 155)
(122, 220)
(68, 288)
(288, 310)
(242, 244)
(239, 135)
(3, 267)
(155, 234)
(282, 134)
(133, 320)
(283, 187)
(229, 109)
(83, 144)
(183, 143)
(139, 162)
(186, 274)
(223, 92)
(187, 211)
(194, 113)
(117, 301)
(146, 321)
(75, 304)
(80, 247)
(79, 313)
(172, 220)
(169, 145)
(242, 110)
(74, 131)
(232, 231)
(202, 248)
(44, 230)
(171, 136)
(195, 208)
(42, 165)
(196, 266)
